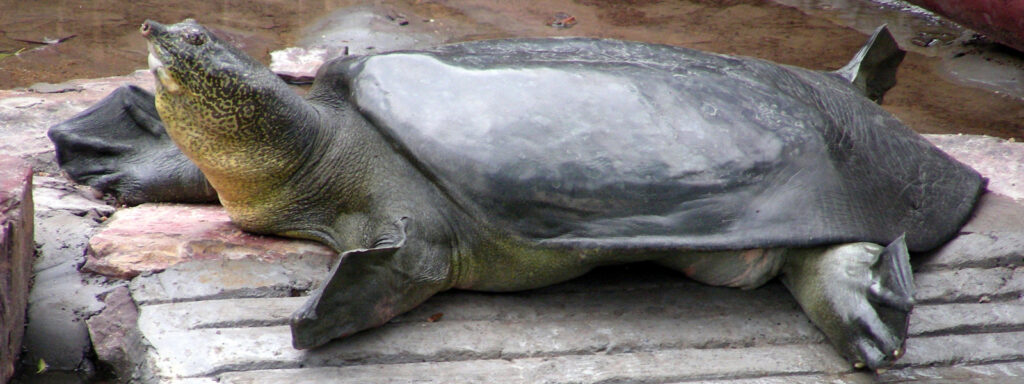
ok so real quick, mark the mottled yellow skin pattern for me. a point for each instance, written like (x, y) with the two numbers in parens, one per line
(232, 128)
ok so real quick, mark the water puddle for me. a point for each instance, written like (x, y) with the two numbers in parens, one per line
(965, 59)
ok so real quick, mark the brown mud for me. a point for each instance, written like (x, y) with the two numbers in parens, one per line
(106, 41)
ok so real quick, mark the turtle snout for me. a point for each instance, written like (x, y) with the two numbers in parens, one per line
(151, 28)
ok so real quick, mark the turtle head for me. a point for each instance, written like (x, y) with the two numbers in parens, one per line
(209, 94)
(188, 59)
(230, 115)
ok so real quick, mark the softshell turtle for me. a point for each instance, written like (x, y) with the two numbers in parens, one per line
(514, 164)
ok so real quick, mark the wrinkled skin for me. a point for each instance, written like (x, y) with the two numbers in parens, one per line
(334, 168)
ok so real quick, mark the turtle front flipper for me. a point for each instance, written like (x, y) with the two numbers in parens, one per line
(368, 287)
(338, 308)
(119, 146)
(858, 294)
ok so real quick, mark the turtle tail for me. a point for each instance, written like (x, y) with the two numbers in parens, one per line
(873, 68)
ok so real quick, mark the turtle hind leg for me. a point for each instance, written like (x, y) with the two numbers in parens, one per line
(746, 269)
(858, 294)
(119, 146)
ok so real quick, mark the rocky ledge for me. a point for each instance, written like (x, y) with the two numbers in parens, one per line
(17, 252)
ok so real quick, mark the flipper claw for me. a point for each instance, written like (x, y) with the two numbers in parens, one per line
(859, 295)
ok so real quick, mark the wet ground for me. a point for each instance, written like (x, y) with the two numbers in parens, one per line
(950, 83)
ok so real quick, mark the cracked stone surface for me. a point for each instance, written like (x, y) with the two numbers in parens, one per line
(62, 298)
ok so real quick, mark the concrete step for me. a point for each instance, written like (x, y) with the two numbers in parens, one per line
(969, 285)
(972, 356)
(979, 348)
(636, 367)
(200, 338)
(205, 351)
(686, 300)
(927, 319)
(997, 372)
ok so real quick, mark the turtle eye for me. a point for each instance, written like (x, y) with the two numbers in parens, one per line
(195, 38)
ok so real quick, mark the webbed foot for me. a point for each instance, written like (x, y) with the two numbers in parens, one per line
(119, 146)
(368, 287)
(859, 295)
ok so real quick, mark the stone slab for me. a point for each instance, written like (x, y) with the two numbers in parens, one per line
(651, 367)
(996, 230)
(658, 365)
(927, 320)
(998, 372)
(225, 313)
(1000, 160)
(212, 350)
(115, 338)
(58, 194)
(846, 378)
(517, 330)
(17, 252)
(224, 279)
(969, 285)
(152, 237)
(975, 348)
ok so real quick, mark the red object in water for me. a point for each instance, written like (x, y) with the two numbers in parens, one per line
(1001, 20)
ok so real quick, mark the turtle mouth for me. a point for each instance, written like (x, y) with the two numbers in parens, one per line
(163, 77)
(153, 59)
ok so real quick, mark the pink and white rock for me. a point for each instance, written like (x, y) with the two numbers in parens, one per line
(357, 30)
(153, 237)
(114, 334)
(299, 65)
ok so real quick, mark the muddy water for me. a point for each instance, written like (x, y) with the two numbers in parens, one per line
(965, 59)
(932, 95)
